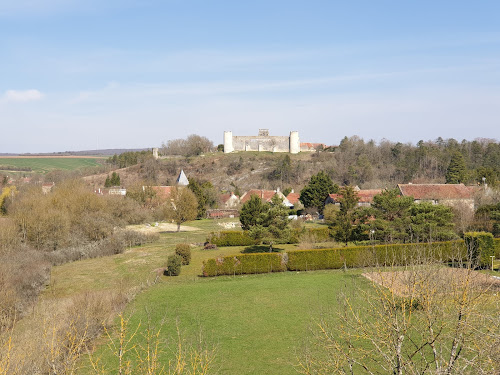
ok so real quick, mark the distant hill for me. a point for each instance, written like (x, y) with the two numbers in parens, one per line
(105, 152)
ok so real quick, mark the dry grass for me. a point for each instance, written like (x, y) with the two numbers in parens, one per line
(399, 281)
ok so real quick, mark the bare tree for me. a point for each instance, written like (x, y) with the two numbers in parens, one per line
(425, 319)
(182, 206)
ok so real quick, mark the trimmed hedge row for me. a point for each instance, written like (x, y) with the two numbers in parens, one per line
(241, 238)
(365, 256)
(245, 264)
(359, 256)
(231, 238)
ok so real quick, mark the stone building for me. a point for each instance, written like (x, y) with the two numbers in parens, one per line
(262, 142)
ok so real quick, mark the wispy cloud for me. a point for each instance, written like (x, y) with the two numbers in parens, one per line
(23, 95)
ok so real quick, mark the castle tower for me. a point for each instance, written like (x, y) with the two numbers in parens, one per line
(228, 142)
(294, 142)
(155, 152)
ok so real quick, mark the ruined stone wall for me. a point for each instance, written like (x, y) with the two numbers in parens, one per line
(261, 143)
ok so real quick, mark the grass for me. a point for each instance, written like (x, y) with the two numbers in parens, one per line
(259, 323)
(44, 165)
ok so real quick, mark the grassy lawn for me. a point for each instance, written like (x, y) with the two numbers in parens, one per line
(43, 165)
(259, 323)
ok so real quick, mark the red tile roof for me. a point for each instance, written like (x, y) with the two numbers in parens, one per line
(162, 192)
(436, 191)
(293, 198)
(365, 196)
(265, 195)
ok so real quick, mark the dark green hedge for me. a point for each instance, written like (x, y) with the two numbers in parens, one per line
(364, 256)
(496, 243)
(244, 264)
(231, 238)
(481, 247)
(351, 257)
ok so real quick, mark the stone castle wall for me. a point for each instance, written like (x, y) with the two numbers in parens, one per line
(269, 143)
(262, 142)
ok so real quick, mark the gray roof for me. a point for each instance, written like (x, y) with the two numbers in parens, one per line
(182, 179)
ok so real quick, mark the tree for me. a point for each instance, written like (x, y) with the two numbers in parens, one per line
(344, 222)
(316, 191)
(205, 194)
(191, 146)
(424, 319)
(431, 222)
(265, 222)
(181, 207)
(253, 212)
(456, 172)
(282, 171)
(392, 216)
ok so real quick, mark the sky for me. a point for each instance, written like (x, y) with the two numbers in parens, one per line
(98, 74)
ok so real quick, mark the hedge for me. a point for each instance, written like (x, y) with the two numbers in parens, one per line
(365, 256)
(231, 238)
(245, 264)
(481, 247)
(359, 256)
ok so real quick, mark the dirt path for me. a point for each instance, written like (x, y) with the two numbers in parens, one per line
(159, 228)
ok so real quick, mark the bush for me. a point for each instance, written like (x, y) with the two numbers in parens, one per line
(245, 264)
(319, 234)
(231, 238)
(174, 263)
(184, 251)
(480, 247)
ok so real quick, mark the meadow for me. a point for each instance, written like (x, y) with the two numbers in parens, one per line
(47, 164)
(256, 324)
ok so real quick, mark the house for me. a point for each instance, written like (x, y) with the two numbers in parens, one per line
(222, 213)
(446, 194)
(229, 200)
(294, 198)
(47, 187)
(265, 195)
(312, 147)
(365, 197)
(111, 191)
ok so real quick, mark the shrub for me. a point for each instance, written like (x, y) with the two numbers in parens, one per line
(319, 234)
(174, 263)
(231, 238)
(184, 251)
(480, 247)
(245, 264)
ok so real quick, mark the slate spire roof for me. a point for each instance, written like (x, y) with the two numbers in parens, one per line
(182, 180)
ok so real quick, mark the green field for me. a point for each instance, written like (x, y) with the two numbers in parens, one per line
(259, 324)
(44, 165)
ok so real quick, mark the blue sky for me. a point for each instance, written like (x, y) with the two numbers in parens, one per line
(78, 75)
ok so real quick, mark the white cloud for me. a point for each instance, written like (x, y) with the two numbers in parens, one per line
(23, 95)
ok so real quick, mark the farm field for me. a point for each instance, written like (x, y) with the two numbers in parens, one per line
(47, 164)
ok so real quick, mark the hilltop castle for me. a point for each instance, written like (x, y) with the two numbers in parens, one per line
(262, 142)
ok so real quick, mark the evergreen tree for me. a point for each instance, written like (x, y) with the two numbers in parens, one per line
(456, 172)
(253, 212)
(344, 223)
(431, 222)
(107, 183)
(392, 216)
(115, 179)
(316, 191)
(271, 221)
